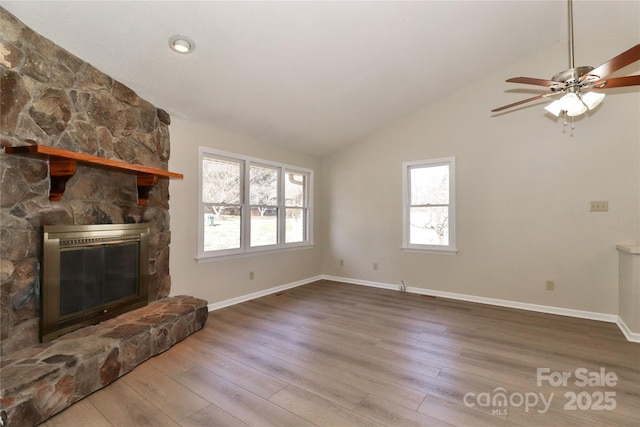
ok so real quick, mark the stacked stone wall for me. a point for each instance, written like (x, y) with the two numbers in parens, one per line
(50, 97)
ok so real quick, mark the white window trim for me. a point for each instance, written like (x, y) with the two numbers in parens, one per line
(245, 250)
(406, 200)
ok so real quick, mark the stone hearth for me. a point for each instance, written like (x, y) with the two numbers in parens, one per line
(42, 380)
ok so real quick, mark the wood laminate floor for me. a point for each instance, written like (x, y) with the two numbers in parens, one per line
(333, 354)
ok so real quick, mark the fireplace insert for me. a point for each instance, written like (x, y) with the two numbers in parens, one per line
(91, 273)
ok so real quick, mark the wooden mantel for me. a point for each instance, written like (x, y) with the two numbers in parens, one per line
(62, 166)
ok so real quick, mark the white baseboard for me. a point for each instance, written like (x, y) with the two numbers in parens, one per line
(631, 336)
(362, 282)
(248, 297)
(603, 317)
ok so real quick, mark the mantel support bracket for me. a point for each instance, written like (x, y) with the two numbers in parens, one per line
(145, 184)
(60, 171)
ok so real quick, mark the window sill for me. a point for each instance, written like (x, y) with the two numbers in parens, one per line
(203, 259)
(446, 252)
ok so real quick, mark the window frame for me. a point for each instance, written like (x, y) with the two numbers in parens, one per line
(449, 249)
(245, 248)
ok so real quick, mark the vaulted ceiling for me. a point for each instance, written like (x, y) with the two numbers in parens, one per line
(312, 75)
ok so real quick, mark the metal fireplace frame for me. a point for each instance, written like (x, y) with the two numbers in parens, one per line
(58, 237)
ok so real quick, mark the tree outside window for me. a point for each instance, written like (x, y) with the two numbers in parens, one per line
(429, 207)
(250, 205)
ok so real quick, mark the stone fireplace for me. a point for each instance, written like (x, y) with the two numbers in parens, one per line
(53, 99)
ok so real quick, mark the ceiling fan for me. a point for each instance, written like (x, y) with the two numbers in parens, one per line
(577, 83)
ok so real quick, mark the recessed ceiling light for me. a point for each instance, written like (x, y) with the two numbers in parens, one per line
(182, 44)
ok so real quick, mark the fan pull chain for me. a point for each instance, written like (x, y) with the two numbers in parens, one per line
(573, 125)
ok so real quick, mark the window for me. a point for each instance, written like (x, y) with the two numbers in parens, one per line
(429, 205)
(250, 205)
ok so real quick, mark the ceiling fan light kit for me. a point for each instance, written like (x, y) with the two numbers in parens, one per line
(592, 99)
(577, 83)
(575, 104)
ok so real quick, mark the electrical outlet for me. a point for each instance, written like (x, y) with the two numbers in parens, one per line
(341, 262)
(375, 265)
(599, 206)
(251, 275)
(550, 285)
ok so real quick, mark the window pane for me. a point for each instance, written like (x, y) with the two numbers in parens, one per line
(429, 226)
(264, 226)
(294, 189)
(220, 181)
(295, 223)
(251, 205)
(221, 228)
(430, 185)
(263, 185)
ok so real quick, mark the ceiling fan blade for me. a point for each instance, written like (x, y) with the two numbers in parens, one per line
(625, 58)
(534, 81)
(617, 82)
(524, 101)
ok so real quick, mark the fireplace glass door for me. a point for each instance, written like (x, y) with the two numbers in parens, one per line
(95, 276)
(91, 273)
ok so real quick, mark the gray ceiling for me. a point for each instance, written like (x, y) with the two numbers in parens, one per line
(312, 75)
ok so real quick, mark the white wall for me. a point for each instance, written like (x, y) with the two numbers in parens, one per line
(223, 280)
(523, 189)
(524, 185)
